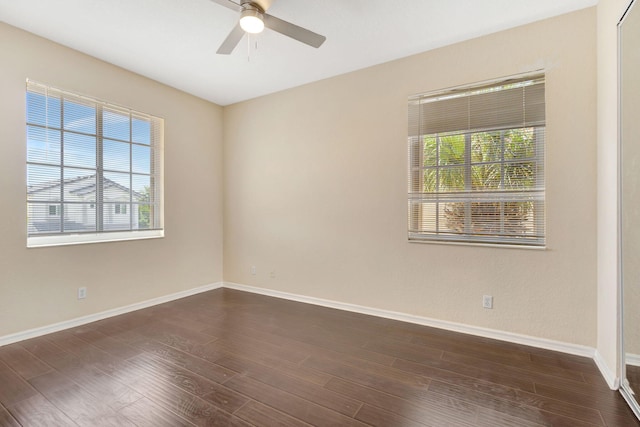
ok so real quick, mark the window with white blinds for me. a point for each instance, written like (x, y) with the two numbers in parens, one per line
(476, 164)
(94, 170)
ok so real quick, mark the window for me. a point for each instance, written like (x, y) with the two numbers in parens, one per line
(476, 164)
(94, 170)
(121, 209)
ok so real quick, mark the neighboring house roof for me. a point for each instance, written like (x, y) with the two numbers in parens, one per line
(82, 186)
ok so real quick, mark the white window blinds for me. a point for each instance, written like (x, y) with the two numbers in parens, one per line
(97, 166)
(476, 164)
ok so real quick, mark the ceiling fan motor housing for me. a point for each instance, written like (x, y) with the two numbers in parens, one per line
(250, 5)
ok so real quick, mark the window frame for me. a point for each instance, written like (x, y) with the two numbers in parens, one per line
(418, 196)
(101, 230)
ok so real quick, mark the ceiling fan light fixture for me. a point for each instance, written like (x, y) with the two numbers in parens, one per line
(254, 19)
(251, 20)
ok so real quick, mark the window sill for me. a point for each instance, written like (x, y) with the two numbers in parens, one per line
(479, 244)
(81, 239)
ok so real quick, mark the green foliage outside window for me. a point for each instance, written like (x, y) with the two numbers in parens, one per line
(482, 162)
(144, 209)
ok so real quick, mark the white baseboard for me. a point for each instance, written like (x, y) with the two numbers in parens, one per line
(632, 359)
(579, 350)
(78, 321)
(613, 381)
(563, 347)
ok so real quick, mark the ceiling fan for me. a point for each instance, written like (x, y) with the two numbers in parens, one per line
(253, 19)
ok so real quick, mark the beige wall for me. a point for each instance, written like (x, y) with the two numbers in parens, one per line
(38, 286)
(315, 190)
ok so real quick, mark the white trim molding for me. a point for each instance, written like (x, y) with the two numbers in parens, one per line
(579, 350)
(80, 239)
(613, 381)
(632, 359)
(575, 349)
(79, 321)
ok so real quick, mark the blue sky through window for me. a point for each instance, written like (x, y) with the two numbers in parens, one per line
(126, 147)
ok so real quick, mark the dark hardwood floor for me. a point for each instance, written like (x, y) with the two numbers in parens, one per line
(233, 358)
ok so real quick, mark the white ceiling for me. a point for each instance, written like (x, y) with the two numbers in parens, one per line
(175, 41)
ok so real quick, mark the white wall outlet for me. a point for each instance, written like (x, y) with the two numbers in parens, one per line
(253, 270)
(82, 292)
(487, 301)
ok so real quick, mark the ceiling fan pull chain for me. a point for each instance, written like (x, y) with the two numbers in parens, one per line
(248, 47)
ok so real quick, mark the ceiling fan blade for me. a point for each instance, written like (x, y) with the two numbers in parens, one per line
(231, 41)
(228, 3)
(295, 32)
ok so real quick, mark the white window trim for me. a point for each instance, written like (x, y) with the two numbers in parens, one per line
(471, 239)
(63, 239)
(85, 238)
(477, 244)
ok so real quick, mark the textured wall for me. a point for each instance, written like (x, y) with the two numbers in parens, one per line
(315, 190)
(38, 286)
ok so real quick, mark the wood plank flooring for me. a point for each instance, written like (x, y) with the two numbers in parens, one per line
(230, 358)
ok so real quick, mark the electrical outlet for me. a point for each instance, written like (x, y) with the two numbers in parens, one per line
(272, 274)
(487, 301)
(253, 270)
(82, 292)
